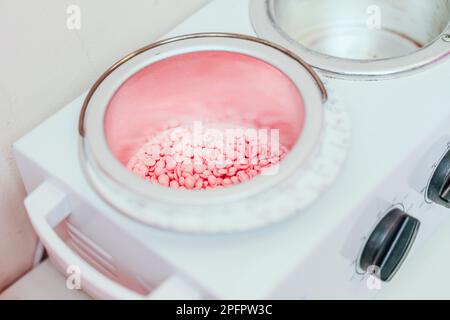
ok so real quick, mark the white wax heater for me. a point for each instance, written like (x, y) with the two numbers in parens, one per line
(358, 205)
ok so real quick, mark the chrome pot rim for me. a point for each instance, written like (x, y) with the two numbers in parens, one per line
(265, 25)
(99, 156)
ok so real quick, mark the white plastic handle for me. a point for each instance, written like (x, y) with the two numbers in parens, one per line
(47, 206)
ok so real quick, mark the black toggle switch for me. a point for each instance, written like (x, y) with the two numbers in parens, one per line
(389, 244)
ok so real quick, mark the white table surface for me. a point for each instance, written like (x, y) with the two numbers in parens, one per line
(44, 65)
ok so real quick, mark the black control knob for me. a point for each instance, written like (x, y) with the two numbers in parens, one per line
(439, 187)
(389, 244)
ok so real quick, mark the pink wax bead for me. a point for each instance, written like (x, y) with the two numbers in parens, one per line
(205, 174)
(161, 163)
(242, 176)
(274, 160)
(212, 180)
(159, 171)
(149, 162)
(199, 168)
(189, 182)
(263, 162)
(166, 151)
(179, 158)
(199, 184)
(186, 174)
(252, 173)
(220, 165)
(178, 170)
(140, 170)
(167, 143)
(188, 168)
(231, 171)
(164, 180)
(155, 157)
(170, 163)
(244, 166)
(155, 150)
(235, 180)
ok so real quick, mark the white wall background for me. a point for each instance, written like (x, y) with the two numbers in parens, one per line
(44, 65)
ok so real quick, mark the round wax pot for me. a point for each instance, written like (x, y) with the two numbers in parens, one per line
(203, 132)
(203, 90)
(358, 38)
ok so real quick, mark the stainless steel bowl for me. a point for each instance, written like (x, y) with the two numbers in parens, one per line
(358, 38)
(244, 206)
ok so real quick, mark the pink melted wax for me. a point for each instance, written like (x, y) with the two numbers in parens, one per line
(222, 91)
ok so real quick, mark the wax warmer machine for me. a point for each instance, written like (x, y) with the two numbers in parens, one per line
(345, 206)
